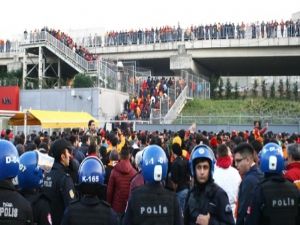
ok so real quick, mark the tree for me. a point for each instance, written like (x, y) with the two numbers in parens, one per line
(11, 78)
(295, 90)
(228, 89)
(272, 90)
(236, 90)
(213, 80)
(82, 81)
(280, 89)
(220, 86)
(254, 89)
(288, 92)
(264, 89)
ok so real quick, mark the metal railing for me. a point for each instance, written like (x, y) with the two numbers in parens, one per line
(63, 49)
(176, 107)
(235, 119)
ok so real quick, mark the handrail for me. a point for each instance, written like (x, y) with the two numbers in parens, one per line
(173, 111)
(58, 45)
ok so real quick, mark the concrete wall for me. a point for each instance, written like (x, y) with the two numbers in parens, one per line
(99, 102)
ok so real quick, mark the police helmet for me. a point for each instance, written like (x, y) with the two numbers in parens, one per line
(30, 174)
(204, 152)
(91, 171)
(9, 160)
(271, 159)
(154, 164)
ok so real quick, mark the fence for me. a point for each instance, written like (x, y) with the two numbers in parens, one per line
(236, 119)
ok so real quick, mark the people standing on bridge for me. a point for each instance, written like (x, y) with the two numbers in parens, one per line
(152, 203)
(14, 208)
(276, 200)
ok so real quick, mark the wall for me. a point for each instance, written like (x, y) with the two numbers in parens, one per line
(9, 98)
(99, 102)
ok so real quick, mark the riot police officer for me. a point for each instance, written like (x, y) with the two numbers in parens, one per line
(206, 203)
(276, 200)
(90, 209)
(151, 203)
(30, 180)
(58, 185)
(14, 208)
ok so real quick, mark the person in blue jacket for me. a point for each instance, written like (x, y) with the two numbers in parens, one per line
(251, 176)
(206, 203)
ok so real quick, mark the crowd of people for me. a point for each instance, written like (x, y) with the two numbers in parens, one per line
(142, 177)
(270, 29)
(64, 38)
(5, 45)
(152, 93)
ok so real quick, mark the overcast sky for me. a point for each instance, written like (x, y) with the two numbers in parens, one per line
(17, 15)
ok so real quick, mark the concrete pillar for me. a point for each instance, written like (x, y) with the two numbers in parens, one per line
(40, 71)
(24, 68)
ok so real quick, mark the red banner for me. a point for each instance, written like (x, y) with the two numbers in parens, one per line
(9, 98)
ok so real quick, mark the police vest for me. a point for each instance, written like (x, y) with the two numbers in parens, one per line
(153, 205)
(14, 208)
(40, 205)
(80, 213)
(53, 189)
(201, 202)
(281, 202)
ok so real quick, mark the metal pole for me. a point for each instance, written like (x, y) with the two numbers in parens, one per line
(24, 68)
(40, 73)
(59, 73)
(25, 125)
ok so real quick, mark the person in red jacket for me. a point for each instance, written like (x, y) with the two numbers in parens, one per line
(293, 168)
(119, 182)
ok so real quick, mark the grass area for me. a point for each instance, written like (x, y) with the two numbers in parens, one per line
(240, 111)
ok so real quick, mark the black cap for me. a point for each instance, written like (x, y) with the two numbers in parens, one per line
(58, 147)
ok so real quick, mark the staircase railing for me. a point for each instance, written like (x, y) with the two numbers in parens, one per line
(176, 107)
(66, 51)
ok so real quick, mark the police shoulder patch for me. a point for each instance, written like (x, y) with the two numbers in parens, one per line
(228, 208)
(71, 193)
(49, 218)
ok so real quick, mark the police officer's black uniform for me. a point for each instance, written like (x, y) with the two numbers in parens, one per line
(276, 201)
(40, 206)
(14, 208)
(151, 204)
(59, 188)
(89, 210)
(208, 198)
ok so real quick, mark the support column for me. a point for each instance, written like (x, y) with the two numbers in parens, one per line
(59, 72)
(40, 73)
(24, 68)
